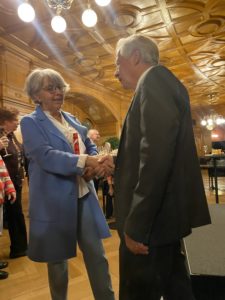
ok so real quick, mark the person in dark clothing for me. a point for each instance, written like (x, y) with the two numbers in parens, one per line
(108, 194)
(94, 136)
(13, 159)
(159, 193)
(6, 187)
(3, 274)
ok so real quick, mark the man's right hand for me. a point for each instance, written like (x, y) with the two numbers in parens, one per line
(107, 162)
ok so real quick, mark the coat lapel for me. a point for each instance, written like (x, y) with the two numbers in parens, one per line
(54, 130)
(49, 125)
(70, 119)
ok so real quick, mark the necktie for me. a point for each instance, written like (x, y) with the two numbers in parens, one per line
(76, 143)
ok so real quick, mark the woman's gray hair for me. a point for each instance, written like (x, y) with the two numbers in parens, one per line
(147, 48)
(34, 81)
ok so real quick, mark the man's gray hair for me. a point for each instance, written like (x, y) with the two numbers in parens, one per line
(91, 132)
(34, 81)
(146, 46)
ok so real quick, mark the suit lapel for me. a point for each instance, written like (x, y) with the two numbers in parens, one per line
(131, 105)
(122, 138)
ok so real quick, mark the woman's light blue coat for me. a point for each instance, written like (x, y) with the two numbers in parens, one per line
(53, 189)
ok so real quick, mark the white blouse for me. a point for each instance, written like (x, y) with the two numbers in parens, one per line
(68, 132)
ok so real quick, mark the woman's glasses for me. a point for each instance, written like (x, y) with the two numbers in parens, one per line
(52, 88)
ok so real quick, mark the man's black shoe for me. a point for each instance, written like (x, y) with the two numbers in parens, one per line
(18, 254)
(3, 264)
(3, 275)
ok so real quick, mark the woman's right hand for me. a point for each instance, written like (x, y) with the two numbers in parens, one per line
(4, 142)
(88, 174)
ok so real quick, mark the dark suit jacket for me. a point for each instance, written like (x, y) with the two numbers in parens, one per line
(159, 193)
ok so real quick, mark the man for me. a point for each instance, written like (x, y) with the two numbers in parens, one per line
(159, 194)
(94, 136)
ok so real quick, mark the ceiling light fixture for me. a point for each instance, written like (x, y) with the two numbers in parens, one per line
(58, 24)
(103, 2)
(211, 121)
(26, 12)
(59, 4)
(89, 17)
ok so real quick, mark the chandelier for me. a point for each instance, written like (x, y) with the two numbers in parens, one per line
(59, 4)
(211, 121)
(89, 17)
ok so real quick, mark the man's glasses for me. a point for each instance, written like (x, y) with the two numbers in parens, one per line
(52, 88)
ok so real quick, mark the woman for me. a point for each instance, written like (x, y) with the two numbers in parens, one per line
(6, 188)
(13, 159)
(63, 206)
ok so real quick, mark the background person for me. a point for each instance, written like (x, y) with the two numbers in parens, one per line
(14, 160)
(108, 193)
(3, 274)
(159, 193)
(94, 136)
(64, 208)
(6, 188)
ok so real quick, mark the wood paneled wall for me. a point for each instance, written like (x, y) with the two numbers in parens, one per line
(16, 64)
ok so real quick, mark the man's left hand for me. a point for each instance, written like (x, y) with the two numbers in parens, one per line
(136, 247)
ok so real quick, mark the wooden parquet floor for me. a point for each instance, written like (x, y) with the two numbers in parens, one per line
(28, 280)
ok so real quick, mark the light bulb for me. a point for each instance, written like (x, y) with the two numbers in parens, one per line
(209, 126)
(89, 17)
(210, 122)
(26, 12)
(58, 24)
(203, 122)
(218, 121)
(102, 2)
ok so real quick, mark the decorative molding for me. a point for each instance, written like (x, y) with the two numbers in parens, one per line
(126, 16)
(210, 27)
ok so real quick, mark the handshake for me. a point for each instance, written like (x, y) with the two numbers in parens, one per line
(98, 166)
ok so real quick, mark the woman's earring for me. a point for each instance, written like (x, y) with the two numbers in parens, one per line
(37, 100)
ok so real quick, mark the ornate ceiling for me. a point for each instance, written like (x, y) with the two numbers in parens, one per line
(190, 35)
